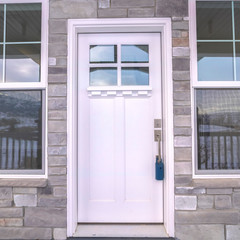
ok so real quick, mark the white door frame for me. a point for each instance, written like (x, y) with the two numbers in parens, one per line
(80, 26)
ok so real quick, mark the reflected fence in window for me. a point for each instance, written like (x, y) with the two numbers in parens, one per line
(19, 153)
(218, 150)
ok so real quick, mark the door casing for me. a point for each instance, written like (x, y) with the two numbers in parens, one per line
(81, 26)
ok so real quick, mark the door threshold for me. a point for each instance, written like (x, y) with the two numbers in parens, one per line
(121, 230)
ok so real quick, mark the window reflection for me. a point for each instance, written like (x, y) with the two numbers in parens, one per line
(103, 76)
(103, 54)
(135, 76)
(218, 125)
(23, 63)
(215, 62)
(214, 20)
(20, 130)
(1, 63)
(134, 53)
(1, 22)
(23, 22)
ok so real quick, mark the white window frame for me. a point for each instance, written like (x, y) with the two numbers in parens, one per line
(41, 85)
(195, 84)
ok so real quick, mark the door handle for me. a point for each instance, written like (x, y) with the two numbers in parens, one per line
(159, 149)
(159, 166)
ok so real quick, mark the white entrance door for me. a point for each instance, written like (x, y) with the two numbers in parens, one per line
(119, 96)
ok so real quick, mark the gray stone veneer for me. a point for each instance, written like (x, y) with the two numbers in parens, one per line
(36, 209)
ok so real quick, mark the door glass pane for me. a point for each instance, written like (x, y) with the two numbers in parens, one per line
(134, 54)
(214, 20)
(21, 130)
(218, 128)
(23, 22)
(238, 61)
(103, 76)
(135, 76)
(215, 61)
(23, 63)
(1, 22)
(103, 53)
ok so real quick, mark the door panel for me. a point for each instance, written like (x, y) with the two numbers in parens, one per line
(116, 148)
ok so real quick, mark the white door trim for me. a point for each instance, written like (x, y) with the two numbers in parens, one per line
(160, 25)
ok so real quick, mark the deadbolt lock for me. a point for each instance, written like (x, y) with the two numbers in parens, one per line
(157, 123)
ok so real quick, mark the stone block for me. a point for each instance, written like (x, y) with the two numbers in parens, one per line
(57, 70)
(57, 38)
(183, 168)
(112, 13)
(57, 78)
(180, 42)
(182, 121)
(13, 222)
(182, 154)
(59, 233)
(236, 200)
(132, 3)
(205, 201)
(58, 26)
(45, 217)
(55, 139)
(5, 203)
(11, 213)
(25, 233)
(182, 131)
(219, 191)
(57, 104)
(103, 3)
(57, 151)
(182, 141)
(181, 51)
(23, 190)
(23, 182)
(57, 90)
(57, 180)
(180, 25)
(181, 64)
(183, 180)
(189, 190)
(57, 115)
(181, 86)
(57, 161)
(141, 12)
(232, 232)
(223, 202)
(25, 200)
(182, 96)
(185, 203)
(48, 201)
(45, 191)
(207, 217)
(217, 183)
(73, 9)
(56, 50)
(60, 192)
(182, 110)
(57, 170)
(57, 126)
(170, 8)
(5, 193)
(200, 232)
(181, 103)
(62, 61)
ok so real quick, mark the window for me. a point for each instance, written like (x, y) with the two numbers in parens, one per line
(216, 87)
(22, 89)
(130, 61)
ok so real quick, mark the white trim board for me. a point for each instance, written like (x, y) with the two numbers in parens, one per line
(159, 25)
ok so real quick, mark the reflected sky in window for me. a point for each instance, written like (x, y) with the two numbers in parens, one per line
(103, 54)
(134, 53)
(135, 76)
(103, 76)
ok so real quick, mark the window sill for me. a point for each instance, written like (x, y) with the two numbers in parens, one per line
(10, 182)
(217, 183)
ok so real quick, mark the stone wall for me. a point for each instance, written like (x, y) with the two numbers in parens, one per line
(36, 209)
